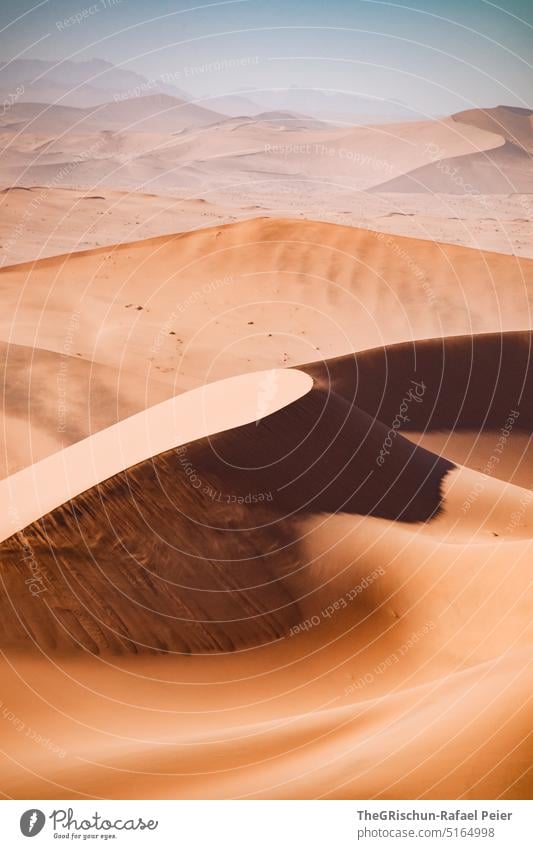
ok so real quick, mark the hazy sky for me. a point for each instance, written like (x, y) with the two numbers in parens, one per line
(436, 56)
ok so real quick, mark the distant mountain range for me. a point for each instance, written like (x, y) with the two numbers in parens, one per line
(90, 83)
(156, 113)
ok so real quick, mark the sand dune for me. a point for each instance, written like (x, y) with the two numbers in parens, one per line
(512, 122)
(442, 737)
(495, 170)
(471, 383)
(506, 170)
(153, 113)
(32, 224)
(79, 83)
(39, 488)
(255, 588)
(200, 306)
(354, 656)
(33, 221)
(316, 454)
(196, 147)
(154, 318)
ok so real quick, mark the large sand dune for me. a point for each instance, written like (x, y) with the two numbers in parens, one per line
(179, 311)
(506, 170)
(309, 581)
(354, 656)
(224, 300)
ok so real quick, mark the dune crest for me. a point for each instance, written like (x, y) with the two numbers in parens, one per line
(31, 493)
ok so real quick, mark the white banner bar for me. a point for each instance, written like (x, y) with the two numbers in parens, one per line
(268, 824)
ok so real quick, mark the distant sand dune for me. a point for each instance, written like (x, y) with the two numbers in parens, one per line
(504, 171)
(158, 143)
(150, 113)
(512, 122)
(192, 308)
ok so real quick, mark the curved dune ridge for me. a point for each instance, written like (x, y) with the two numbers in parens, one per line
(138, 323)
(329, 597)
(221, 512)
(504, 169)
(514, 123)
(133, 144)
(38, 489)
(315, 653)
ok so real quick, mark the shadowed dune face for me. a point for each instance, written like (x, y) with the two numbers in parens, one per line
(199, 549)
(51, 400)
(323, 454)
(471, 382)
(194, 550)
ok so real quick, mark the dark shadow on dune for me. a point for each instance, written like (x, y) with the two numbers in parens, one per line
(192, 551)
(142, 563)
(503, 170)
(324, 454)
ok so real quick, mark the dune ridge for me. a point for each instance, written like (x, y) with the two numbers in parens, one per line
(255, 484)
(472, 382)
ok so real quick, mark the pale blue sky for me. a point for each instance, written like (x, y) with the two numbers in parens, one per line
(436, 57)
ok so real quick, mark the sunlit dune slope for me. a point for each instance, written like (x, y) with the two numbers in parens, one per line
(181, 311)
(506, 170)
